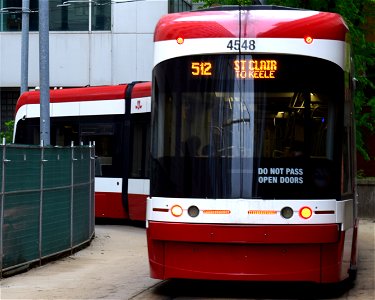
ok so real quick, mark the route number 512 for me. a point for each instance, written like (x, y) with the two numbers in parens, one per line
(201, 68)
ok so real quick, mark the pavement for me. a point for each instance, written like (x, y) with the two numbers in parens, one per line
(115, 266)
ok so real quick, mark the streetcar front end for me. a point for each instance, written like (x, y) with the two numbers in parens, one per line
(252, 169)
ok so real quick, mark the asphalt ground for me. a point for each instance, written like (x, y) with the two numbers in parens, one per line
(115, 266)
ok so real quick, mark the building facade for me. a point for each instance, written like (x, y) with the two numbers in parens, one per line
(92, 43)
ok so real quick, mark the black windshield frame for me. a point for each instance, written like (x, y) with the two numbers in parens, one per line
(185, 160)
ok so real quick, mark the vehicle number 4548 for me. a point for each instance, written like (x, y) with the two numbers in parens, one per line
(241, 45)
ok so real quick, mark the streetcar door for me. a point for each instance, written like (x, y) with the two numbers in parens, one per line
(106, 132)
(136, 149)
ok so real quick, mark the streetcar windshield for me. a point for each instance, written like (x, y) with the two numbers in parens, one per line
(246, 126)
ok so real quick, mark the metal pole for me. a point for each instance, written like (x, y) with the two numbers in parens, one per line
(91, 158)
(90, 17)
(41, 196)
(92, 179)
(44, 71)
(25, 46)
(72, 195)
(1, 17)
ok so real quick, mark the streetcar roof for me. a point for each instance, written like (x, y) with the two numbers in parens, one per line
(94, 93)
(257, 22)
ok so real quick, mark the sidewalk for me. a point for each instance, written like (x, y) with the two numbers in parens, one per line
(114, 266)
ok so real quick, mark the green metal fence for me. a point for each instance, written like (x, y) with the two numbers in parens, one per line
(47, 202)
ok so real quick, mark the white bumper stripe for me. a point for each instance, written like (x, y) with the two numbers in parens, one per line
(342, 212)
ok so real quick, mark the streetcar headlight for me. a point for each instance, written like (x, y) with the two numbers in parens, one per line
(176, 210)
(305, 212)
(287, 212)
(193, 211)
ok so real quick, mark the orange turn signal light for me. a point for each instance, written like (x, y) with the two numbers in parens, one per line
(216, 211)
(308, 39)
(262, 212)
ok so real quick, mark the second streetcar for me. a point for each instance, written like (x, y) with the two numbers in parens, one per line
(117, 119)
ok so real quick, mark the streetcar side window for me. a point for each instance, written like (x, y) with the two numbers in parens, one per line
(64, 133)
(27, 132)
(103, 136)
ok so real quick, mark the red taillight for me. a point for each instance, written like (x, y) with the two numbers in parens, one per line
(305, 212)
(176, 210)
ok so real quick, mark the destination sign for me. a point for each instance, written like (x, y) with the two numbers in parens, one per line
(243, 68)
(255, 68)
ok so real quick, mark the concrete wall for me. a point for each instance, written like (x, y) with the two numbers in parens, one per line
(121, 55)
(366, 198)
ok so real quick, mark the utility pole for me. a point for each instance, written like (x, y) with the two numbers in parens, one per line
(25, 46)
(44, 72)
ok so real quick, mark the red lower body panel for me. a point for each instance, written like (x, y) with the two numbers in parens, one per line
(255, 252)
(137, 207)
(109, 205)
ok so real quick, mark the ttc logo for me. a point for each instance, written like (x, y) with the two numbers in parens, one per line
(139, 105)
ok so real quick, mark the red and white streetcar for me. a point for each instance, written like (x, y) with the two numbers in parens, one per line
(252, 149)
(117, 119)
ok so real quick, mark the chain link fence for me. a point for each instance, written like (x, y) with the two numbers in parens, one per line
(47, 203)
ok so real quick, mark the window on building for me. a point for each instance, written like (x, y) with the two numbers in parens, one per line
(101, 16)
(8, 99)
(179, 5)
(74, 16)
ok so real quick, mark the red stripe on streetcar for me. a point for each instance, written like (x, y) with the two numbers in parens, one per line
(69, 95)
(218, 24)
